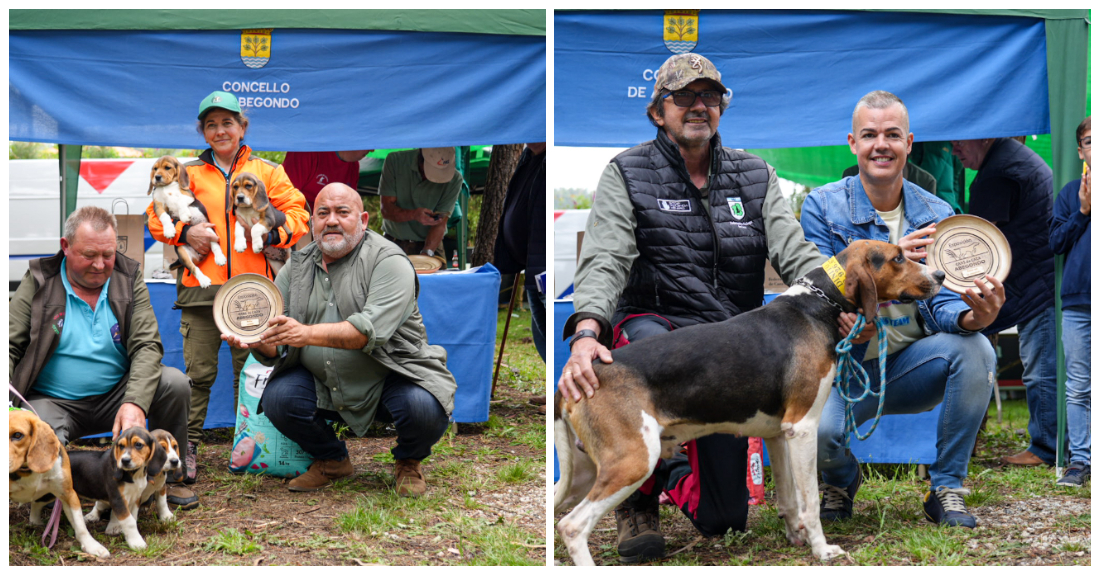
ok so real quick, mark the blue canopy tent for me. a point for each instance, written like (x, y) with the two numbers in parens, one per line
(795, 75)
(308, 79)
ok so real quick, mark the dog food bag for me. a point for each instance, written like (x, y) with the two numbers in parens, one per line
(257, 446)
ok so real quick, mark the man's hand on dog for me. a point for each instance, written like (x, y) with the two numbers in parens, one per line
(985, 306)
(198, 239)
(129, 415)
(577, 374)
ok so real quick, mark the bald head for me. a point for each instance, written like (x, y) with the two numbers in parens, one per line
(339, 192)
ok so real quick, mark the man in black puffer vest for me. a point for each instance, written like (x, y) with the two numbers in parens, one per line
(679, 233)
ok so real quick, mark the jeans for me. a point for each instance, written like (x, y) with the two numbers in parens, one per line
(956, 370)
(290, 402)
(1077, 343)
(1037, 353)
(537, 303)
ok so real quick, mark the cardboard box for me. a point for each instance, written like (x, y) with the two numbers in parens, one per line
(131, 237)
(772, 282)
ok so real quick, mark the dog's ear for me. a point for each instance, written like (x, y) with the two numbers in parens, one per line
(44, 448)
(861, 286)
(156, 463)
(151, 173)
(181, 177)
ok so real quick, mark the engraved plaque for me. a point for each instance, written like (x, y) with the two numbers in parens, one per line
(244, 305)
(969, 248)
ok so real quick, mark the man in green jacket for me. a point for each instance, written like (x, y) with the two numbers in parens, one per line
(83, 343)
(351, 347)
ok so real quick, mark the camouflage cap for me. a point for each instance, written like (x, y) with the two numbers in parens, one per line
(683, 69)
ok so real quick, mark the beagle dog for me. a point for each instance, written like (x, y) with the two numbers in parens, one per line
(254, 211)
(157, 484)
(119, 476)
(775, 372)
(172, 199)
(39, 472)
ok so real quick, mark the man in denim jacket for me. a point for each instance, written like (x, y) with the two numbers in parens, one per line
(934, 353)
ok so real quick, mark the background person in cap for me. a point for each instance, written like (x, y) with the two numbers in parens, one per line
(1071, 234)
(650, 264)
(223, 126)
(1013, 189)
(934, 353)
(364, 358)
(311, 171)
(419, 189)
(95, 365)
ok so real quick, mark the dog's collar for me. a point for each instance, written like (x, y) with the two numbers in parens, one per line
(802, 281)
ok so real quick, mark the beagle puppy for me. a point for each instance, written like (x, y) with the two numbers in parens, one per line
(173, 200)
(254, 211)
(157, 484)
(119, 476)
(39, 472)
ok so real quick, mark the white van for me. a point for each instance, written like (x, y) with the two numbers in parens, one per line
(118, 185)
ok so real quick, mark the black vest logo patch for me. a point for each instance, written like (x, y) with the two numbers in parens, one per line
(681, 206)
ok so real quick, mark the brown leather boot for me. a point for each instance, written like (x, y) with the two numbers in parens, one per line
(408, 478)
(640, 537)
(321, 473)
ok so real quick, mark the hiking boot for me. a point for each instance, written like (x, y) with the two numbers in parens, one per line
(1024, 458)
(945, 506)
(190, 464)
(1077, 474)
(640, 537)
(836, 503)
(408, 479)
(181, 497)
(321, 473)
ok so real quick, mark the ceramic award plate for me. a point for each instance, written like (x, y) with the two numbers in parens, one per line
(244, 305)
(967, 248)
(425, 264)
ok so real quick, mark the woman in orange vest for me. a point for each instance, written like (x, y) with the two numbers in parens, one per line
(223, 126)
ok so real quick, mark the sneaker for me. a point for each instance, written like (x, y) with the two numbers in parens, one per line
(1077, 474)
(945, 506)
(190, 463)
(640, 537)
(321, 473)
(836, 503)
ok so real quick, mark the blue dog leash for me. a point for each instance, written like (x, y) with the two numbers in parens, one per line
(847, 368)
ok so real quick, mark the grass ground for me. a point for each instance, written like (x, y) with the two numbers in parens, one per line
(485, 504)
(1023, 519)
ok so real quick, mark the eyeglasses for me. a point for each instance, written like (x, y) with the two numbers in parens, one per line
(1085, 143)
(686, 98)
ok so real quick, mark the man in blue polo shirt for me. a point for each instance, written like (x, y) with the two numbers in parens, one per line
(83, 343)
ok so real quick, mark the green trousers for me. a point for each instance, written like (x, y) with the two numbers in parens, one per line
(201, 343)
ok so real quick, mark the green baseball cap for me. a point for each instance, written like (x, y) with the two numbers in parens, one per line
(219, 99)
(683, 69)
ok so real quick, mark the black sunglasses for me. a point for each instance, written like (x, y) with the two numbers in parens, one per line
(686, 98)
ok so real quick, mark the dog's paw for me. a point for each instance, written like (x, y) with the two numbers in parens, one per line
(90, 517)
(169, 228)
(219, 259)
(239, 246)
(168, 517)
(36, 519)
(828, 552)
(114, 529)
(137, 543)
(257, 246)
(202, 279)
(92, 547)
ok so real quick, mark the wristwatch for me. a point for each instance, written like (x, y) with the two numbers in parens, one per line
(427, 252)
(581, 335)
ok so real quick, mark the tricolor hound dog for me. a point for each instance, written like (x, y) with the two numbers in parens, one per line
(38, 472)
(119, 476)
(157, 487)
(775, 373)
(172, 198)
(255, 218)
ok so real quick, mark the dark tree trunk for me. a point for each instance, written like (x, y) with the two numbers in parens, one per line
(502, 164)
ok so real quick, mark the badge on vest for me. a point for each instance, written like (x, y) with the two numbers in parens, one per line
(736, 208)
(683, 206)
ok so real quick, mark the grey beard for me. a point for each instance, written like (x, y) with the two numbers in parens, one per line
(339, 248)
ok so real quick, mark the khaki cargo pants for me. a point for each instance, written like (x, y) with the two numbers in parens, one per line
(201, 343)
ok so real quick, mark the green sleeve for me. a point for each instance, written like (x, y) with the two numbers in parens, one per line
(390, 301)
(144, 348)
(788, 250)
(609, 247)
(387, 181)
(19, 322)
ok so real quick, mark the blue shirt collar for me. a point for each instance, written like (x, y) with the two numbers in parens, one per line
(917, 211)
